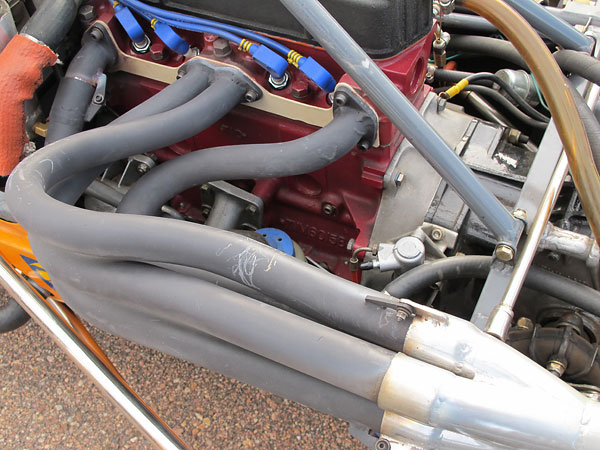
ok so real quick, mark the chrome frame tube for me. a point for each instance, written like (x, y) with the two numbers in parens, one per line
(139, 413)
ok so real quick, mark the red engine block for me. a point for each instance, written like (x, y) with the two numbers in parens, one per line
(328, 212)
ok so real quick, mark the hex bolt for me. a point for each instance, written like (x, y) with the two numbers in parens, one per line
(98, 99)
(403, 312)
(142, 46)
(300, 89)
(556, 368)
(279, 83)
(221, 48)
(329, 209)
(399, 179)
(504, 252)
(157, 51)
(383, 444)
(87, 13)
(205, 210)
(251, 209)
(520, 214)
(143, 168)
(340, 99)
(251, 96)
(525, 323)
(364, 145)
(437, 234)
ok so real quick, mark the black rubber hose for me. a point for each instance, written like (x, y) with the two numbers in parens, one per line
(482, 45)
(77, 88)
(303, 155)
(194, 80)
(12, 316)
(475, 266)
(592, 127)
(51, 21)
(501, 100)
(579, 63)
(300, 344)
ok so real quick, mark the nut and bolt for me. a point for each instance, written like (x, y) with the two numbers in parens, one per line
(525, 323)
(251, 209)
(205, 210)
(329, 209)
(403, 312)
(87, 13)
(143, 168)
(279, 83)
(504, 252)
(364, 145)
(98, 99)
(399, 179)
(300, 89)
(221, 48)
(157, 52)
(520, 214)
(340, 99)
(556, 367)
(437, 234)
(251, 96)
(383, 444)
(142, 46)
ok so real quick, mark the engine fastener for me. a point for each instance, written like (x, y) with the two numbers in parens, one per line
(300, 89)
(525, 323)
(504, 252)
(437, 234)
(383, 444)
(143, 168)
(340, 99)
(157, 51)
(142, 46)
(399, 179)
(87, 13)
(329, 209)
(251, 209)
(403, 312)
(221, 48)
(251, 96)
(556, 367)
(520, 214)
(279, 83)
(364, 145)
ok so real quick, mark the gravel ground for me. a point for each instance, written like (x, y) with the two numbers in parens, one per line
(47, 403)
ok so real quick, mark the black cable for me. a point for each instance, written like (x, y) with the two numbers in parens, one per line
(476, 266)
(500, 99)
(479, 78)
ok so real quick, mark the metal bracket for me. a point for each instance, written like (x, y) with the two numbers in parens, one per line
(98, 99)
(251, 207)
(346, 96)
(387, 301)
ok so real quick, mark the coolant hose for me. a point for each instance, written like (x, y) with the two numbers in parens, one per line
(558, 96)
(194, 79)
(592, 127)
(51, 21)
(579, 63)
(77, 88)
(235, 162)
(482, 45)
(21, 65)
(478, 267)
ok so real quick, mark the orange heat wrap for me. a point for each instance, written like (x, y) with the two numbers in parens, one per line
(21, 64)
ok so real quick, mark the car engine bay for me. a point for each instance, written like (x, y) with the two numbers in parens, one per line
(386, 211)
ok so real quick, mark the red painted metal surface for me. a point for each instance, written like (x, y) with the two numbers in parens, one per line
(328, 212)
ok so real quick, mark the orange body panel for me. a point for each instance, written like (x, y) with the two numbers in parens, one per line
(15, 248)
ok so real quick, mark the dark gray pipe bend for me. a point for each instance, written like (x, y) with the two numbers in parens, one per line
(195, 79)
(229, 360)
(123, 236)
(579, 63)
(51, 21)
(77, 88)
(302, 155)
(303, 345)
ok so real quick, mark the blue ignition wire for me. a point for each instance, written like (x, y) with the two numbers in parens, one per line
(307, 65)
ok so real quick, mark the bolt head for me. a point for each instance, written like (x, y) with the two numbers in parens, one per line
(157, 51)
(520, 214)
(437, 234)
(143, 168)
(383, 444)
(221, 48)
(504, 252)
(300, 89)
(340, 99)
(98, 99)
(87, 13)
(251, 96)
(525, 323)
(252, 209)
(329, 209)
(556, 367)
